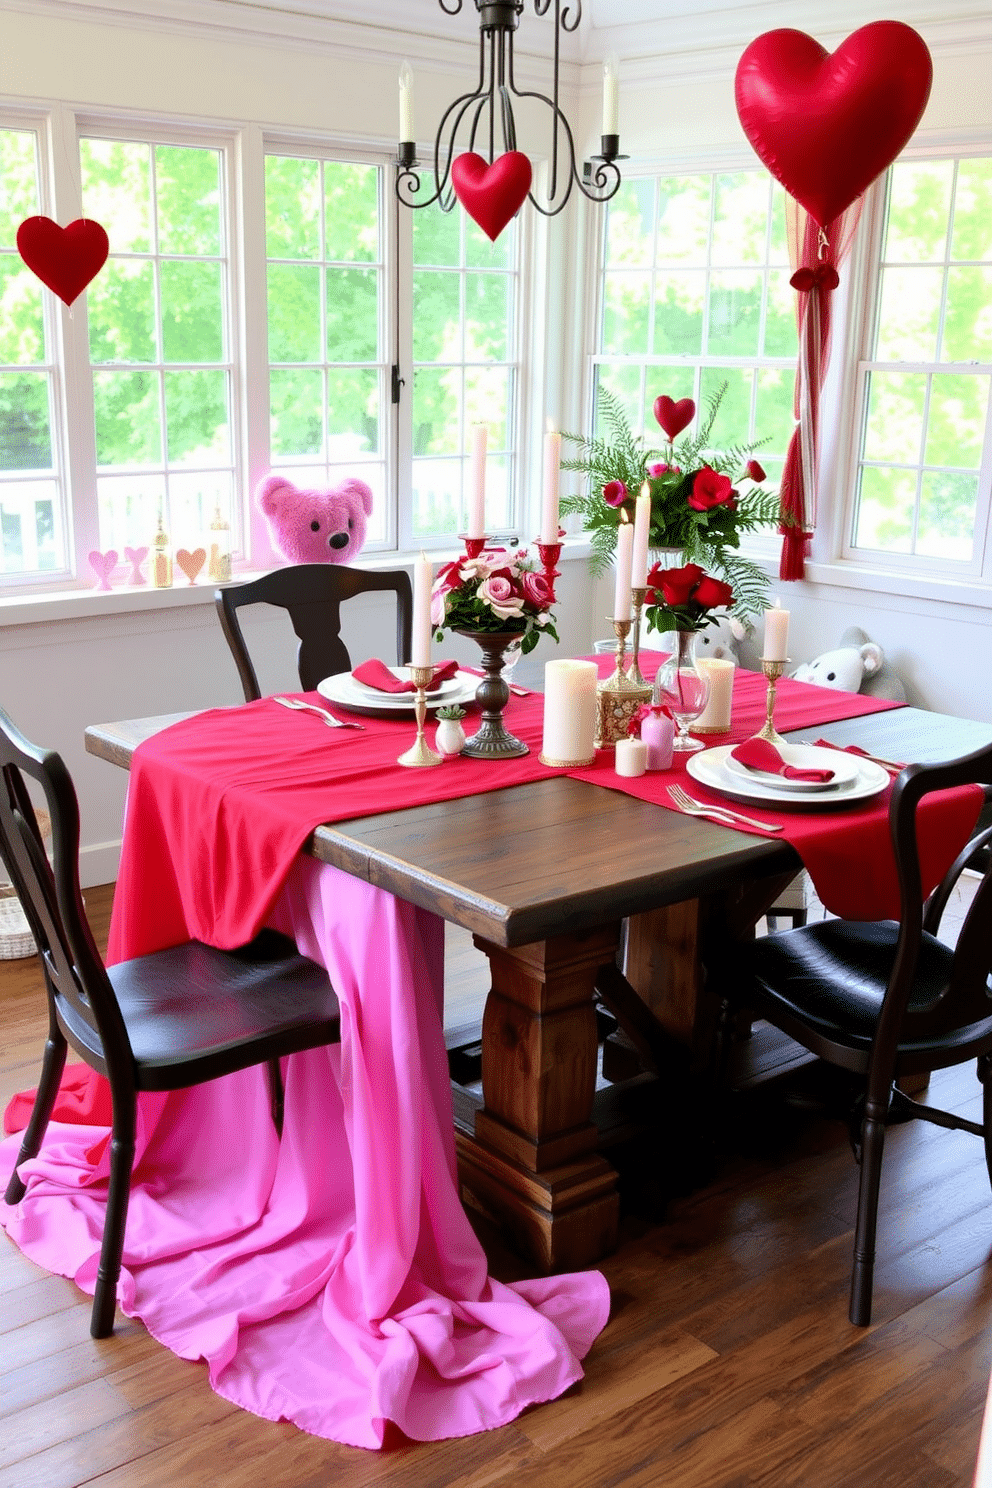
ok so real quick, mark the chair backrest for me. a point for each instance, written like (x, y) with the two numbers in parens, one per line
(80, 996)
(312, 595)
(963, 999)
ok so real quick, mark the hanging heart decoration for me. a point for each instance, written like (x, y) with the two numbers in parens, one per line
(826, 124)
(191, 563)
(103, 565)
(64, 258)
(491, 194)
(674, 417)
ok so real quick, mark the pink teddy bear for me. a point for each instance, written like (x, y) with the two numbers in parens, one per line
(325, 526)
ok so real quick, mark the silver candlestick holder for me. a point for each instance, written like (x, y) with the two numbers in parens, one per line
(619, 696)
(773, 670)
(638, 596)
(420, 752)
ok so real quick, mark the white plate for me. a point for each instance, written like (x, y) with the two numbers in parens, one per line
(710, 769)
(356, 697)
(807, 756)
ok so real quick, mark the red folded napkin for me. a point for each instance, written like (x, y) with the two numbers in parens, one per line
(377, 674)
(761, 754)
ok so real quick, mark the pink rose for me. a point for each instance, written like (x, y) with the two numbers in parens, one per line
(537, 591)
(501, 597)
(437, 607)
(710, 490)
(615, 493)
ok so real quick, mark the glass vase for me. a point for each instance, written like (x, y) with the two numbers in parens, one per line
(683, 690)
(493, 741)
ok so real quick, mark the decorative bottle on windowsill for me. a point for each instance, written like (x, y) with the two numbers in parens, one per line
(161, 564)
(219, 567)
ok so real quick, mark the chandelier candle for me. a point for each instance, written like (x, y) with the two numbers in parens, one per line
(569, 713)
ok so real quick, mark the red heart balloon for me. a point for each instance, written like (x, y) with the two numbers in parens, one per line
(674, 417)
(827, 123)
(64, 258)
(491, 194)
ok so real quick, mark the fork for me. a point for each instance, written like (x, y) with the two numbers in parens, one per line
(328, 718)
(691, 807)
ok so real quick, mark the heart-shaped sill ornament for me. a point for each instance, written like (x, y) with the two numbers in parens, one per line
(64, 258)
(191, 563)
(103, 565)
(491, 194)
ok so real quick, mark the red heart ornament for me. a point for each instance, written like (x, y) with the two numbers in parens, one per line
(827, 123)
(491, 194)
(64, 258)
(674, 417)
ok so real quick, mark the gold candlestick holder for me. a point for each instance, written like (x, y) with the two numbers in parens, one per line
(773, 670)
(638, 597)
(420, 752)
(619, 696)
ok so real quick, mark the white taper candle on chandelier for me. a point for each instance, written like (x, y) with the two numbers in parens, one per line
(611, 96)
(406, 104)
(477, 482)
(423, 578)
(625, 550)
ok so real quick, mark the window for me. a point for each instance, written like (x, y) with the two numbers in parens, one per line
(921, 493)
(696, 294)
(32, 540)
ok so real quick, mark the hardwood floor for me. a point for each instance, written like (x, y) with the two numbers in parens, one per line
(728, 1359)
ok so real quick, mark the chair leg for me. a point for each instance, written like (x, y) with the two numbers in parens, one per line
(53, 1063)
(276, 1093)
(112, 1249)
(863, 1273)
(985, 1075)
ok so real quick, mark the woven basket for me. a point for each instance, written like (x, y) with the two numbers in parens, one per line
(16, 940)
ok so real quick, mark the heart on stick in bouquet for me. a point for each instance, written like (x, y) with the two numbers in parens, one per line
(191, 563)
(674, 417)
(491, 194)
(103, 565)
(826, 124)
(65, 259)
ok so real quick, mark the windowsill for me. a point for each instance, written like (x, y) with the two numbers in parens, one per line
(76, 604)
(938, 588)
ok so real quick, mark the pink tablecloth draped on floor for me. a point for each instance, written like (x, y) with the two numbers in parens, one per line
(331, 1279)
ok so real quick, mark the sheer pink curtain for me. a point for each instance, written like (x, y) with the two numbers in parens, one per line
(815, 255)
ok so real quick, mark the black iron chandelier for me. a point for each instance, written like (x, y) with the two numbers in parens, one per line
(487, 113)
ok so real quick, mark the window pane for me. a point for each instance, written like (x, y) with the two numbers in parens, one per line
(128, 418)
(436, 238)
(959, 408)
(624, 382)
(735, 314)
(436, 497)
(196, 417)
(919, 202)
(948, 501)
(678, 313)
(683, 219)
(909, 316)
(294, 313)
(894, 427)
(436, 317)
(740, 219)
(351, 212)
(292, 207)
(487, 393)
(29, 542)
(626, 313)
(733, 422)
(487, 316)
(352, 412)
(886, 509)
(25, 437)
(296, 400)
(18, 182)
(22, 329)
(630, 225)
(781, 337)
(480, 253)
(117, 191)
(121, 304)
(972, 238)
(192, 312)
(129, 506)
(437, 406)
(968, 317)
(352, 315)
(188, 186)
(193, 500)
(773, 418)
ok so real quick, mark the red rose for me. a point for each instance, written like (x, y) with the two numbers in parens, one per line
(537, 591)
(676, 586)
(712, 592)
(710, 490)
(755, 472)
(615, 493)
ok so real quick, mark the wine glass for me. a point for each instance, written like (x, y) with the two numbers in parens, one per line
(685, 693)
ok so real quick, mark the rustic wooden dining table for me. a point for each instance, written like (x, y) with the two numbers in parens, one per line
(567, 888)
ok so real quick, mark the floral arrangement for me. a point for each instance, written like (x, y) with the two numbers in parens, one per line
(496, 592)
(701, 499)
(684, 598)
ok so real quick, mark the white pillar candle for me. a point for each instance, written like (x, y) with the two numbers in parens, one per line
(569, 712)
(406, 104)
(715, 717)
(630, 757)
(642, 531)
(477, 482)
(549, 507)
(423, 577)
(625, 548)
(611, 99)
(776, 635)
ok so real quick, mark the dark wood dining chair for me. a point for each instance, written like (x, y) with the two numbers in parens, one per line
(164, 1021)
(312, 595)
(884, 1000)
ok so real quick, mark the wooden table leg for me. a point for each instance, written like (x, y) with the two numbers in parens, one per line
(532, 1163)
